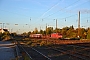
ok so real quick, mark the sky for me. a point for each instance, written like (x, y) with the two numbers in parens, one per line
(26, 15)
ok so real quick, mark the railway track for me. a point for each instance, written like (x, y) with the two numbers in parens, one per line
(74, 52)
(46, 54)
(34, 54)
(79, 46)
(77, 51)
(56, 54)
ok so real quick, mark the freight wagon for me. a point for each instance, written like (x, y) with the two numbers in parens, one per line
(35, 36)
(56, 35)
(53, 36)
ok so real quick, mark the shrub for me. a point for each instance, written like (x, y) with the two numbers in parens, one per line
(42, 43)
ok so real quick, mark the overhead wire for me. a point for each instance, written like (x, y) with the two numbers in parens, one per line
(50, 8)
(66, 11)
(65, 8)
(62, 9)
(69, 16)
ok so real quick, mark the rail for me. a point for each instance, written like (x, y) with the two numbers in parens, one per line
(78, 55)
(26, 53)
(41, 54)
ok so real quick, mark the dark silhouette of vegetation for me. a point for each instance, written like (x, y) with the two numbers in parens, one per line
(5, 36)
(88, 33)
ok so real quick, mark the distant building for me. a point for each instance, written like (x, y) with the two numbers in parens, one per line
(3, 30)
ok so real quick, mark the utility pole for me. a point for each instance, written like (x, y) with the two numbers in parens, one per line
(56, 24)
(79, 20)
(3, 25)
(40, 27)
(11, 30)
(46, 26)
(46, 29)
(78, 24)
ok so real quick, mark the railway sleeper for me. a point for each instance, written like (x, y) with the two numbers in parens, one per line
(69, 53)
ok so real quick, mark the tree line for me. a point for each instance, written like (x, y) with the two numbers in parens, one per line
(7, 35)
(67, 32)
